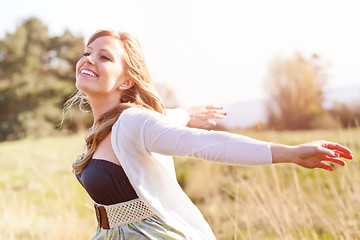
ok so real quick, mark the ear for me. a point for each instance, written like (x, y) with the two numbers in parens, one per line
(126, 84)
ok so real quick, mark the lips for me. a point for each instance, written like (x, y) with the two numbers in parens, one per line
(88, 73)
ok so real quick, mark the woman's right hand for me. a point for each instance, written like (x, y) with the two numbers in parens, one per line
(201, 116)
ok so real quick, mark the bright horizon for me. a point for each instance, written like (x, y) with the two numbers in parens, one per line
(210, 52)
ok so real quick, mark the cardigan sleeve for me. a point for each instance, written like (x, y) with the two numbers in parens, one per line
(152, 132)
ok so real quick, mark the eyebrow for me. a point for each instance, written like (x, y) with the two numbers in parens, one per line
(102, 49)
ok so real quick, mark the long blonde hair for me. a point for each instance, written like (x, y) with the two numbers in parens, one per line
(141, 94)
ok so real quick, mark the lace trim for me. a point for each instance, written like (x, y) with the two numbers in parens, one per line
(126, 212)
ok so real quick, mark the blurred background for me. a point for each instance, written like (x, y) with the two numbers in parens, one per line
(275, 66)
(262, 61)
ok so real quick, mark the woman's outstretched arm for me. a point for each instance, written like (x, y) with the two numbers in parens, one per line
(311, 155)
(151, 132)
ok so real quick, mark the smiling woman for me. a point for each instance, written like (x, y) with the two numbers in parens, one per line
(100, 70)
(124, 168)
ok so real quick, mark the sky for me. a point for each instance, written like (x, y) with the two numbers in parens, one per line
(213, 52)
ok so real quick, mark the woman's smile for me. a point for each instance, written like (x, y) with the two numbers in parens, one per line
(88, 73)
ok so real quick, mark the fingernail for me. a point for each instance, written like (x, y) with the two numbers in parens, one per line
(336, 154)
(225, 114)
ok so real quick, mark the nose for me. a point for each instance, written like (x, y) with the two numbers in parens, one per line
(88, 59)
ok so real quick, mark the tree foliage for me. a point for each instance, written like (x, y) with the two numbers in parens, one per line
(295, 86)
(347, 116)
(36, 77)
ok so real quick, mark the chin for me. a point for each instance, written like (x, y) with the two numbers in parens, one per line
(88, 90)
(82, 86)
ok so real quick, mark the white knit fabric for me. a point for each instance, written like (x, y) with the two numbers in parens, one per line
(126, 212)
(139, 133)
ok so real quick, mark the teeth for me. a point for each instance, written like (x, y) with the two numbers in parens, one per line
(87, 72)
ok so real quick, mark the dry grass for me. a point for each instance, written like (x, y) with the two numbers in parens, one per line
(41, 199)
(282, 201)
(39, 196)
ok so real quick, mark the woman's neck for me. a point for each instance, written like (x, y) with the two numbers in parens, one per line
(100, 106)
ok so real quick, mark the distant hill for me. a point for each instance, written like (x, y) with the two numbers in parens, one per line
(248, 113)
(349, 96)
(244, 114)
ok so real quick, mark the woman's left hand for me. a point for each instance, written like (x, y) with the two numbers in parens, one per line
(311, 155)
(315, 154)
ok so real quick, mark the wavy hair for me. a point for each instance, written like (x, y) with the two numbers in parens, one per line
(141, 94)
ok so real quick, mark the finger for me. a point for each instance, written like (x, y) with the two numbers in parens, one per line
(213, 107)
(210, 123)
(331, 153)
(327, 152)
(215, 115)
(326, 166)
(219, 111)
(338, 148)
(344, 155)
(206, 122)
(335, 160)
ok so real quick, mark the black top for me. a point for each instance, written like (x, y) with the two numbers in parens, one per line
(106, 182)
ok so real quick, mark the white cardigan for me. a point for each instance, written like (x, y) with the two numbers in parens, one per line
(139, 134)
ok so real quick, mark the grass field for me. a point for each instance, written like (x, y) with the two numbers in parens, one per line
(41, 199)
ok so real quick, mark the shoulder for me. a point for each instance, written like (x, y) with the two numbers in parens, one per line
(134, 119)
(134, 124)
(177, 116)
(135, 115)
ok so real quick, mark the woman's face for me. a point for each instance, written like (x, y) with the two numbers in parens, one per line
(99, 72)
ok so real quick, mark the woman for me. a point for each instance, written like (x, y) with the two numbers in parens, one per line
(124, 168)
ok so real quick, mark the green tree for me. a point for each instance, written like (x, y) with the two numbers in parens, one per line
(36, 76)
(295, 87)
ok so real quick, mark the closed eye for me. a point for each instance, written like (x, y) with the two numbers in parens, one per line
(105, 58)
